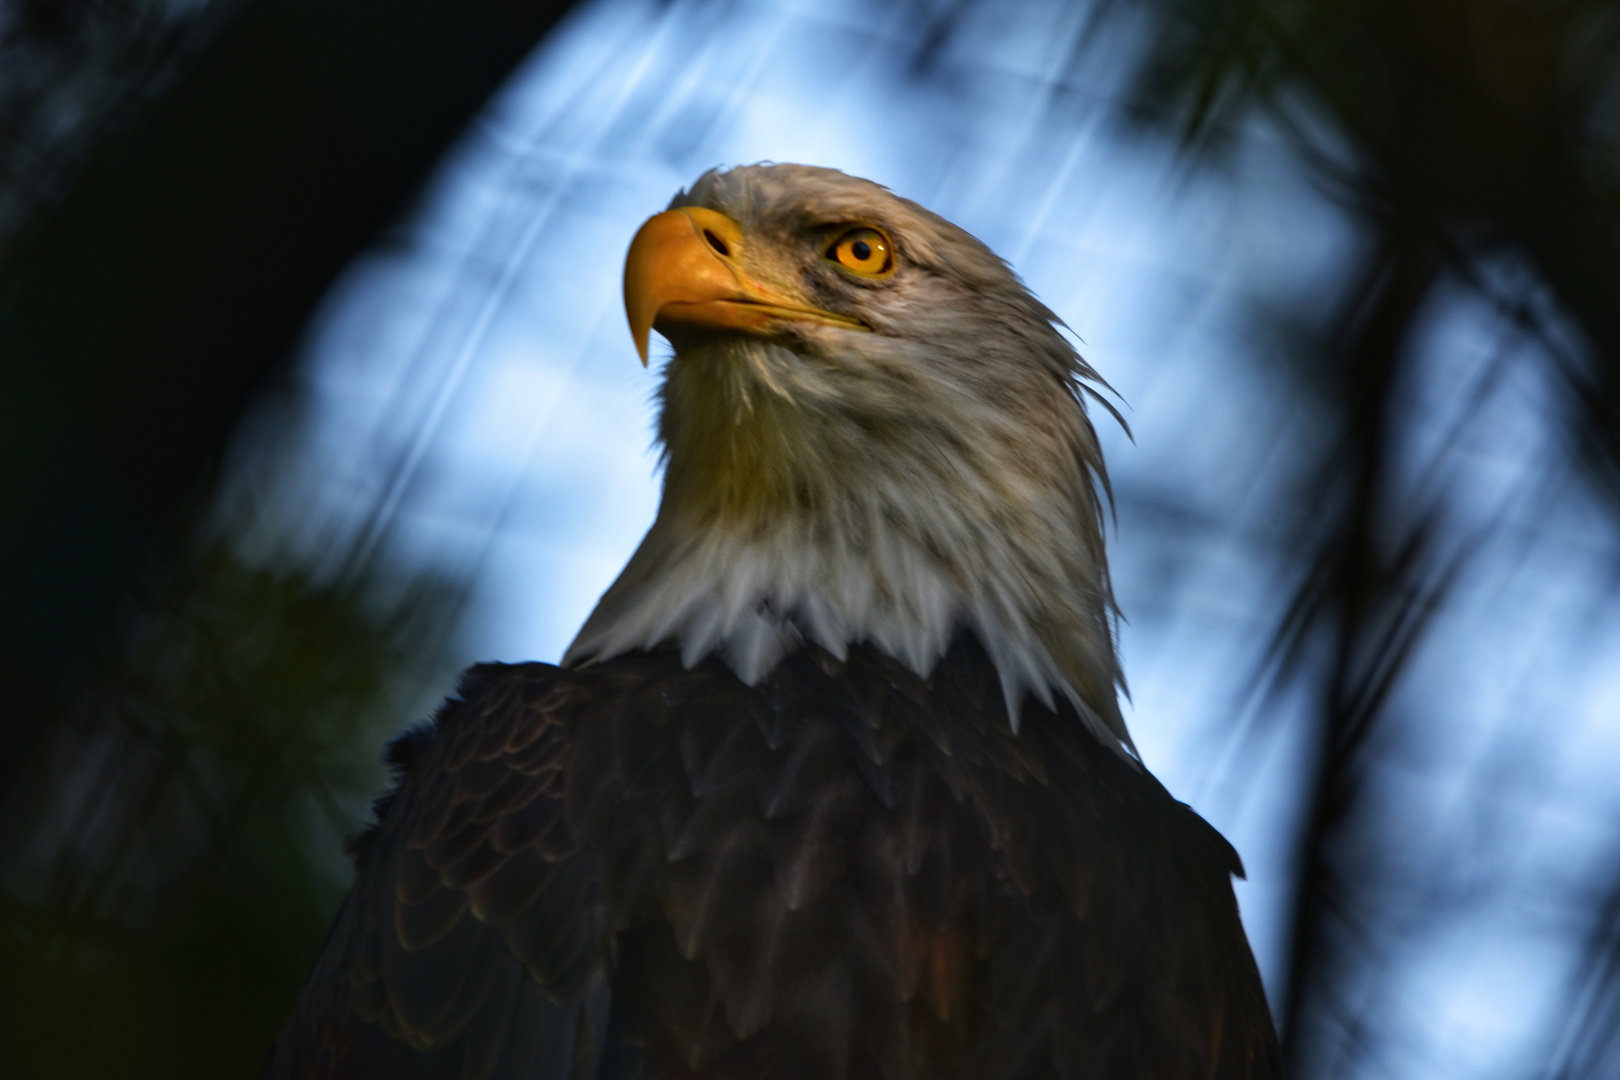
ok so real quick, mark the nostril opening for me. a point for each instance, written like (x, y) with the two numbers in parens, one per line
(716, 243)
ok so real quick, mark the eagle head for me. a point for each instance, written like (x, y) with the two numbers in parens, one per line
(872, 432)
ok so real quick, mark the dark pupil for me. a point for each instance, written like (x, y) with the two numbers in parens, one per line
(861, 250)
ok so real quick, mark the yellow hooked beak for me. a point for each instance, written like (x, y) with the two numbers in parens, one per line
(683, 272)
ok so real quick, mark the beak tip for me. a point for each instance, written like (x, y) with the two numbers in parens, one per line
(639, 334)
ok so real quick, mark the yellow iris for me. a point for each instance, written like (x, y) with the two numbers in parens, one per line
(865, 251)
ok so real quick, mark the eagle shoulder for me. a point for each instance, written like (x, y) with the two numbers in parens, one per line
(473, 941)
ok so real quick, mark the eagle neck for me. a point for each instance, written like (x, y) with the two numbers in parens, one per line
(785, 520)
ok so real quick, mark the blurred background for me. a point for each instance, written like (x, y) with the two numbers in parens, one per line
(315, 387)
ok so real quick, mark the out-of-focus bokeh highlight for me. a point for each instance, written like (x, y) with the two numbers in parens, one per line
(1352, 270)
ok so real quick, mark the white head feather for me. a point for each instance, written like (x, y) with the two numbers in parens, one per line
(897, 486)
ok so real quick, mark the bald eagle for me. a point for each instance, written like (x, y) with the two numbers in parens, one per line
(833, 782)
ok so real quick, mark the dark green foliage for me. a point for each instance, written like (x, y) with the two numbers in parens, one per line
(172, 861)
(143, 316)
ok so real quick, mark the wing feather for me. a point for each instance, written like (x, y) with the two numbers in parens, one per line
(442, 962)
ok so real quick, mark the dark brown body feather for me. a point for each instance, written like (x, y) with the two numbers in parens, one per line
(632, 870)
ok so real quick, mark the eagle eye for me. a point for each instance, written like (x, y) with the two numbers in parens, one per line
(863, 250)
